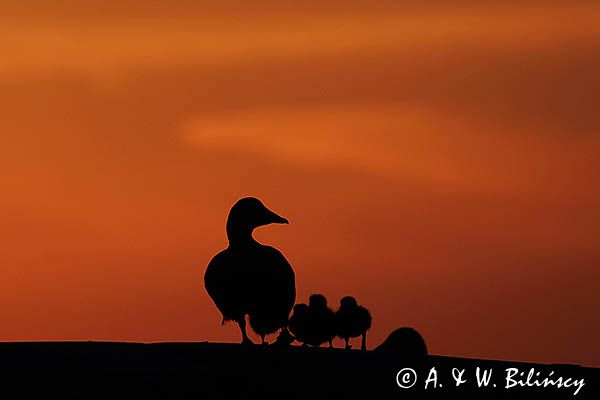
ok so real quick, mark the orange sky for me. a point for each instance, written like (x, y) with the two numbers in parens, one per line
(438, 163)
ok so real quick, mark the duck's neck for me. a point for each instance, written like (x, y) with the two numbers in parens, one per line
(239, 236)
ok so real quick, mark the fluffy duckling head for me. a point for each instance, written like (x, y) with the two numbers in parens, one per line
(317, 301)
(348, 302)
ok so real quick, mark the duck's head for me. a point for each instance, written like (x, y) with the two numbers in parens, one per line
(246, 215)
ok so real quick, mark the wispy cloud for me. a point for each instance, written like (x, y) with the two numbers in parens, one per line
(395, 140)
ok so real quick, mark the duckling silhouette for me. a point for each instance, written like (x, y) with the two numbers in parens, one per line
(248, 278)
(352, 320)
(406, 342)
(321, 321)
(299, 323)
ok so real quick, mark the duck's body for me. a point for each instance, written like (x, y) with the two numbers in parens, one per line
(273, 290)
(248, 278)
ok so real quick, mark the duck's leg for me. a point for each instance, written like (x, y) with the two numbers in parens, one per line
(331, 344)
(262, 340)
(245, 339)
(363, 344)
(348, 347)
(284, 338)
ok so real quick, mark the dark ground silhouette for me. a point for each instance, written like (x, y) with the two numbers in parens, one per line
(86, 370)
(405, 341)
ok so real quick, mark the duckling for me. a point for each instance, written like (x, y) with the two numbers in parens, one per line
(299, 323)
(248, 278)
(321, 321)
(352, 320)
(406, 342)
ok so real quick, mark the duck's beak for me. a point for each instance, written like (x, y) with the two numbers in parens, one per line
(273, 218)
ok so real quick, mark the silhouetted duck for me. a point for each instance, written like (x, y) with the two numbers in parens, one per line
(321, 319)
(299, 323)
(248, 278)
(405, 342)
(352, 320)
